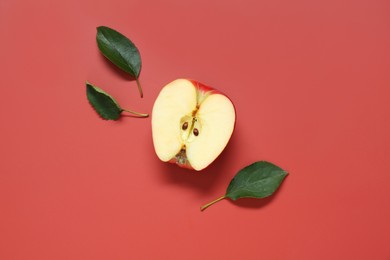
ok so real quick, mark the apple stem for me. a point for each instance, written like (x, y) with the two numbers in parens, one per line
(139, 87)
(135, 113)
(211, 203)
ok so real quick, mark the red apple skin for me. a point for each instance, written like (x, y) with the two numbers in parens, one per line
(203, 88)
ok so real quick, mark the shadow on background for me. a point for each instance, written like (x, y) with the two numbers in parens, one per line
(252, 203)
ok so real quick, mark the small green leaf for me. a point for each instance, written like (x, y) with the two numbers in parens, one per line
(103, 103)
(258, 180)
(121, 51)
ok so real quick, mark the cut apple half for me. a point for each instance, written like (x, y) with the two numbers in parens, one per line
(191, 124)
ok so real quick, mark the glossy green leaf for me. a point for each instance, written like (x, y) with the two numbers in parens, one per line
(120, 50)
(103, 103)
(258, 180)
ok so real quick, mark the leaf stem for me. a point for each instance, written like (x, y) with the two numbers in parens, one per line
(135, 113)
(139, 88)
(211, 203)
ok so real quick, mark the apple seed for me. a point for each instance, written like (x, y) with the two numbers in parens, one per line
(196, 132)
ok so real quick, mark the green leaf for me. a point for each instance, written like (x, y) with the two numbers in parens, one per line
(103, 103)
(121, 51)
(258, 180)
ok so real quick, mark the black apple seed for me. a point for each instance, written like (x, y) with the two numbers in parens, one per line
(185, 126)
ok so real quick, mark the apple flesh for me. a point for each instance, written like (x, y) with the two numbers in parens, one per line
(191, 124)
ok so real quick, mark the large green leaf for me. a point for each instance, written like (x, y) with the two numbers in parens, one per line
(258, 180)
(120, 50)
(103, 103)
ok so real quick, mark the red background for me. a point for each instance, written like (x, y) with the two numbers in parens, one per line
(311, 84)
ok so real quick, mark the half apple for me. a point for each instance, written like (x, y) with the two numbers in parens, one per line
(191, 124)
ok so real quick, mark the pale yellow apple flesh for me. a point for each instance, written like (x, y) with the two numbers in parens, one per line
(191, 124)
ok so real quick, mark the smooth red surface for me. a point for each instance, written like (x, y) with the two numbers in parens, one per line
(311, 85)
